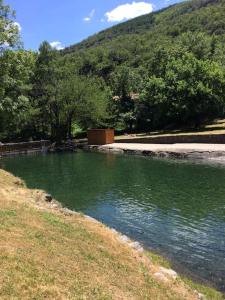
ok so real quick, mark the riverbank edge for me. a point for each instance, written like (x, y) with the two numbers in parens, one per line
(169, 151)
(164, 273)
(214, 156)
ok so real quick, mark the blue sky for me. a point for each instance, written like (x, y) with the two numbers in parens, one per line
(67, 22)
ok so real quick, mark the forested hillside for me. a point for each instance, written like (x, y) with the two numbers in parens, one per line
(162, 70)
(199, 15)
(173, 59)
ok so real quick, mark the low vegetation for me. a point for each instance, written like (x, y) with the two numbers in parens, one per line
(47, 253)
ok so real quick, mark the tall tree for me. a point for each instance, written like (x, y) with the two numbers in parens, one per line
(16, 69)
(188, 92)
(45, 87)
(63, 97)
(82, 101)
(126, 84)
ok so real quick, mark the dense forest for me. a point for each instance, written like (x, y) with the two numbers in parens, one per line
(162, 70)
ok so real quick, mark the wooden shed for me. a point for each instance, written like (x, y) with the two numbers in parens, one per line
(100, 136)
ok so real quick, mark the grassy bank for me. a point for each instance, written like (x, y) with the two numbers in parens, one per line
(48, 253)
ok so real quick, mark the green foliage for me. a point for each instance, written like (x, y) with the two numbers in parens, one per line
(187, 91)
(62, 96)
(124, 83)
(83, 101)
(173, 58)
(46, 78)
(16, 68)
(196, 15)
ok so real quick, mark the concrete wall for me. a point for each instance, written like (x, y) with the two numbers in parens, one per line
(14, 148)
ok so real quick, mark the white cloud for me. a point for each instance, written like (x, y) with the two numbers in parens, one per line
(90, 16)
(17, 24)
(128, 11)
(57, 45)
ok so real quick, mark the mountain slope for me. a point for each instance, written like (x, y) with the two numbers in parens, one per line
(197, 15)
(174, 59)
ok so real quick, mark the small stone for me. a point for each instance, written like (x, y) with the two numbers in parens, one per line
(68, 212)
(54, 205)
(114, 231)
(124, 238)
(161, 277)
(91, 219)
(201, 296)
(116, 151)
(48, 198)
(168, 272)
(137, 246)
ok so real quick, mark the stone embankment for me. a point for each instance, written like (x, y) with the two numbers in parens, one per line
(37, 146)
(180, 151)
(23, 148)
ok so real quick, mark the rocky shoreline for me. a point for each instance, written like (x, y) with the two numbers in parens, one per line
(209, 152)
(160, 151)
